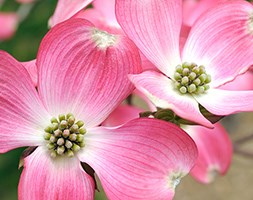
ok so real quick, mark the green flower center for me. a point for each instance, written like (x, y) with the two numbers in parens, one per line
(191, 78)
(64, 136)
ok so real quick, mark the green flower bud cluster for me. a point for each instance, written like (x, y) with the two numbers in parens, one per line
(191, 78)
(64, 136)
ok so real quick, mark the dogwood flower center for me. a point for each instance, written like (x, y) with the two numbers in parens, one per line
(64, 136)
(191, 78)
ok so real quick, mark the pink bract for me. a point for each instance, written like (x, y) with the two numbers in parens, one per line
(83, 71)
(224, 50)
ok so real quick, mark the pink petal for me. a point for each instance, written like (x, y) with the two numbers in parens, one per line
(99, 20)
(107, 8)
(84, 71)
(65, 9)
(192, 9)
(144, 159)
(9, 23)
(44, 178)
(226, 48)
(241, 82)
(121, 115)
(225, 102)
(22, 115)
(215, 152)
(32, 70)
(160, 90)
(154, 26)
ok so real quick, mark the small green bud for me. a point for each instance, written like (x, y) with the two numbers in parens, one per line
(179, 69)
(48, 129)
(192, 76)
(63, 124)
(71, 120)
(73, 137)
(177, 76)
(186, 71)
(200, 89)
(66, 133)
(79, 123)
(60, 141)
(185, 80)
(52, 139)
(57, 133)
(60, 150)
(75, 147)
(208, 79)
(70, 153)
(183, 89)
(47, 136)
(68, 144)
(54, 126)
(61, 117)
(197, 81)
(192, 88)
(203, 77)
(82, 131)
(69, 115)
(79, 138)
(50, 146)
(74, 128)
(54, 120)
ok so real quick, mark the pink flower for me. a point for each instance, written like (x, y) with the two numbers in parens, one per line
(9, 22)
(83, 71)
(218, 49)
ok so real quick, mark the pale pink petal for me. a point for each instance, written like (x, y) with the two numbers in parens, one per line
(215, 152)
(31, 67)
(65, 9)
(22, 116)
(84, 71)
(107, 8)
(99, 20)
(44, 178)
(241, 82)
(154, 26)
(192, 9)
(143, 159)
(160, 90)
(226, 48)
(121, 115)
(226, 102)
(9, 23)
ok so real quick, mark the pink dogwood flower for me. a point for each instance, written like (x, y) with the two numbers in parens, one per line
(82, 78)
(218, 48)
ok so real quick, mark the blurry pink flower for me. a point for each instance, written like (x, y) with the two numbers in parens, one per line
(9, 23)
(214, 145)
(218, 49)
(83, 71)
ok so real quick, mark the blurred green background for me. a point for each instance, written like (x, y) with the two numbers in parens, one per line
(237, 184)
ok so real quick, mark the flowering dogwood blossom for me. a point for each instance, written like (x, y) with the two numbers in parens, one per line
(218, 49)
(82, 78)
(9, 22)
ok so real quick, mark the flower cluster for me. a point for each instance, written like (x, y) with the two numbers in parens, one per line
(183, 58)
